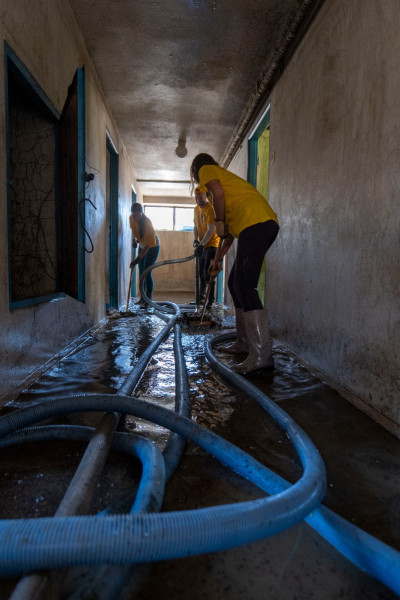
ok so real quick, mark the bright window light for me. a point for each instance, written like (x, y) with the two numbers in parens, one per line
(183, 219)
(162, 217)
(170, 218)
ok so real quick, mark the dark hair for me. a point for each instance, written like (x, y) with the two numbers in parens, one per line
(200, 161)
(138, 208)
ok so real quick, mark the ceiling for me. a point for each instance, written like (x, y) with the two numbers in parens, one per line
(189, 70)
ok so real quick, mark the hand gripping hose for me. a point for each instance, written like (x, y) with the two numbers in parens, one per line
(59, 542)
(365, 551)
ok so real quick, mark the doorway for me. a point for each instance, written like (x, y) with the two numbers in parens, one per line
(111, 262)
(133, 252)
(258, 172)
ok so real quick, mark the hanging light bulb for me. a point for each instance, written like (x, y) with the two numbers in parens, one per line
(181, 149)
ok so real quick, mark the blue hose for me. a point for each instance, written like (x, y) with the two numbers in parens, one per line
(60, 542)
(175, 445)
(168, 307)
(150, 493)
(365, 551)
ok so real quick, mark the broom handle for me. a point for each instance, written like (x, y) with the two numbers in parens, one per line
(129, 290)
(212, 279)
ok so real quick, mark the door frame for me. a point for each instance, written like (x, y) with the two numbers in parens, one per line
(252, 145)
(113, 222)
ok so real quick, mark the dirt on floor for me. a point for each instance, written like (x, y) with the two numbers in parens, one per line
(362, 462)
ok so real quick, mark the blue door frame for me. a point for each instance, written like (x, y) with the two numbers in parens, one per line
(133, 282)
(113, 216)
(252, 146)
(78, 85)
(80, 75)
(252, 169)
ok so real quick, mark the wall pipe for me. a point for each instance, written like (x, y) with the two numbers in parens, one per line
(267, 76)
(362, 549)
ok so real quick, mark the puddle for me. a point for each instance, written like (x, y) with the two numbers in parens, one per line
(103, 361)
(101, 364)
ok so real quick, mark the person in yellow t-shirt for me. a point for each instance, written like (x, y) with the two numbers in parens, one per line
(149, 245)
(205, 242)
(241, 212)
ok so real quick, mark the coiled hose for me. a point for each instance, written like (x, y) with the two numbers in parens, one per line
(60, 542)
(150, 492)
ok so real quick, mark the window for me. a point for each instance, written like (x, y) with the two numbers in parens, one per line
(45, 189)
(170, 218)
(183, 219)
(162, 217)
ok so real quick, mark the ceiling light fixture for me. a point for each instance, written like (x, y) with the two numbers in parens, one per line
(181, 149)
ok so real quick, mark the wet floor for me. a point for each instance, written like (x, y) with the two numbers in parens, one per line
(361, 458)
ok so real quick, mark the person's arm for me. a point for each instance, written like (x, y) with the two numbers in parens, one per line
(195, 236)
(216, 267)
(208, 234)
(132, 226)
(214, 186)
(141, 255)
(218, 198)
(149, 236)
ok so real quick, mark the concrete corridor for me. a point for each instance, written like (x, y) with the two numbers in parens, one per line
(361, 458)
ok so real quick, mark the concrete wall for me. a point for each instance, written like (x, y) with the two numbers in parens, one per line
(46, 39)
(177, 277)
(334, 273)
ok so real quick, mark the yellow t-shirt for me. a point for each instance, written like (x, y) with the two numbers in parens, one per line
(203, 217)
(150, 238)
(244, 205)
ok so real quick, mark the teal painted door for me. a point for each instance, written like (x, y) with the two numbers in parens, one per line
(112, 300)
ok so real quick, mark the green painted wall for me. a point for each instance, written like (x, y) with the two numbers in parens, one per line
(262, 186)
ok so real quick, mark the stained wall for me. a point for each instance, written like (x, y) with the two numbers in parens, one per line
(47, 41)
(333, 277)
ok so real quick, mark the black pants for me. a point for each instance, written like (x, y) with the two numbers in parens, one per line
(253, 243)
(204, 262)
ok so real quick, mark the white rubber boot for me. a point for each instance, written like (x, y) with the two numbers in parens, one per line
(260, 343)
(240, 346)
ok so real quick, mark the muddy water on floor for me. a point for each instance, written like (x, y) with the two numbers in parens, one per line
(102, 362)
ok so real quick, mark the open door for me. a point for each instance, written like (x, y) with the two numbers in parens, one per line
(71, 140)
(112, 223)
(258, 172)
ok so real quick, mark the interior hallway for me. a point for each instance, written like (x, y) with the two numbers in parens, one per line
(361, 458)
